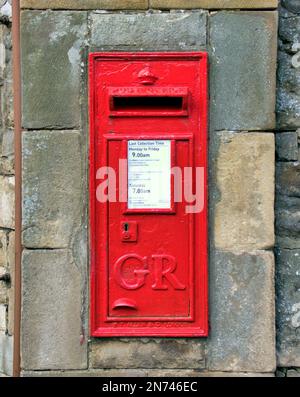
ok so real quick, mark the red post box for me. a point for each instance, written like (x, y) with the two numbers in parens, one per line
(148, 198)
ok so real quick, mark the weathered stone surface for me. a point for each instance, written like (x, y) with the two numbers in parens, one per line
(288, 227)
(288, 307)
(288, 179)
(3, 288)
(143, 4)
(3, 248)
(7, 199)
(291, 5)
(51, 66)
(293, 373)
(242, 190)
(6, 354)
(288, 96)
(213, 4)
(107, 373)
(173, 31)
(7, 153)
(287, 146)
(86, 4)
(51, 311)
(5, 9)
(242, 312)
(2, 318)
(147, 353)
(52, 188)
(6, 95)
(243, 70)
(11, 290)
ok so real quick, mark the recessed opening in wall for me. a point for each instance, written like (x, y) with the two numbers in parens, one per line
(147, 103)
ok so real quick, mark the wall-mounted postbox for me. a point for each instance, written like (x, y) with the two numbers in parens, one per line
(148, 167)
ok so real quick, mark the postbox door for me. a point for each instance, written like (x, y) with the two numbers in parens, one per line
(150, 236)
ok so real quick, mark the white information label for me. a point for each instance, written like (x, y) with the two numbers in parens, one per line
(149, 174)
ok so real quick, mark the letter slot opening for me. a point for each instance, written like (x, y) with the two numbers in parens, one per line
(154, 102)
(148, 103)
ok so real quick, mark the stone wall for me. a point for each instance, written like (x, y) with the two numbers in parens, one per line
(6, 190)
(55, 266)
(57, 36)
(288, 191)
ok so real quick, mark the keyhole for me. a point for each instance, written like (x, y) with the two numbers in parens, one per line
(126, 227)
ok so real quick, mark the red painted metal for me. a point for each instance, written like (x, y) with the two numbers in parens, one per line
(148, 266)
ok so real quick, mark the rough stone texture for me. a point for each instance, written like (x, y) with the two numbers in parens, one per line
(52, 188)
(6, 108)
(2, 318)
(242, 314)
(52, 45)
(288, 179)
(5, 10)
(7, 153)
(288, 96)
(288, 307)
(107, 373)
(147, 353)
(51, 312)
(6, 354)
(3, 288)
(213, 4)
(143, 4)
(291, 5)
(243, 70)
(173, 31)
(3, 248)
(293, 373)
(287, 146)
(11, 290)
(7, 199)
(288, 205)
(86, 4)
(243, 190)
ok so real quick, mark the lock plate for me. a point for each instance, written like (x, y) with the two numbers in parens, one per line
(129, 231)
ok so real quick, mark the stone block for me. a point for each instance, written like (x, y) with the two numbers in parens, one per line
(52, 45)
(287, 146)
(125, 373)
(288, 179)
(293, 373)
(3, 287)
(291, 5)
(11, 291)
(213, 4)
(243, 70)
(7, 200)
(242, 190)
(3, 248)
(288, 93)
(242, 314)
(288, 307)
(7, 153)
(6, 9)
(288, 228)
(147, 353)
(6, 354)
(3, 318)
(52, 329)
(173, 31)
(86, 4)
(288, 102)
(52, 188)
